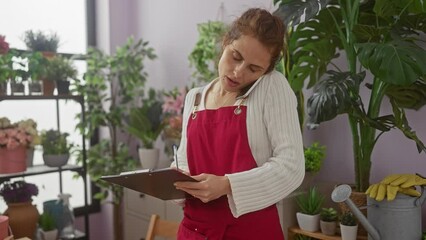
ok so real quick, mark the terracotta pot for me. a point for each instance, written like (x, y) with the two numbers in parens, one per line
(4, 226)
(13, 160)
(48, 87)
(23, 218)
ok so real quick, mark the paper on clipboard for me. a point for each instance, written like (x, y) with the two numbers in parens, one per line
(157, 183)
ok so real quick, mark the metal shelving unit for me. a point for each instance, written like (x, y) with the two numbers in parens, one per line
(43, 169)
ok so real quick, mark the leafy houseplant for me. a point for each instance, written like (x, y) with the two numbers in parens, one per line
(310, 204)
(47, 222)
(56, 148)
(328, 219)
(18, 191)
(348, 226)
(55, 142)
(61, 70)
(145, 121)
(40, 41)
(114, 81)
(204, 55)
(314, 156)
(378, 37)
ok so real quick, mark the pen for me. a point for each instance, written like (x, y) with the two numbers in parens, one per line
(175, 156)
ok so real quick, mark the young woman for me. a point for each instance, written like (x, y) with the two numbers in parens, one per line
(241, 138)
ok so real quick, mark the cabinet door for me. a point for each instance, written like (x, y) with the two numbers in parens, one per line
(174, 212)
(135, 228)
(143, 205)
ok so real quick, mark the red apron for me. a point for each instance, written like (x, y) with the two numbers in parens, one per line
(218, 144)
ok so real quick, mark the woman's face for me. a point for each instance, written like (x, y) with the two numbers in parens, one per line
(243, 61)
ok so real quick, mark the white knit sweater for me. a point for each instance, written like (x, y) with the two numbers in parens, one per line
(275, 140)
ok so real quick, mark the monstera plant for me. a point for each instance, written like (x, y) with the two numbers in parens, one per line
(380, 39)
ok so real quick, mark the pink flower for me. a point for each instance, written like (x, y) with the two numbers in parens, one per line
(15, 135)
(4, 46)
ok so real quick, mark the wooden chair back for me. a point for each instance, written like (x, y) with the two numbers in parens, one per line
(161, 228)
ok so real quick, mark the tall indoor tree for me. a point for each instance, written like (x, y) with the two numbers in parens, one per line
(383, 39)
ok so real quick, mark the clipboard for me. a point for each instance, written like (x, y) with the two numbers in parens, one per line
(157, 183)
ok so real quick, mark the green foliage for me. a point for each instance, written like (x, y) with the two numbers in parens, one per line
(314, 156)
(60, 69)
(55, 143)
(348, 219)
(40, 41)
(310, 202)
(382, 38)
(145, 121)
(204, 56)
(47, 222)
(111, 87)
(328, 214)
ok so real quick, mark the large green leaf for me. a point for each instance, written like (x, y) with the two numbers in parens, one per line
(396, 62)
(412, 97)
(332, 96)
(291, 12)
(313, 45)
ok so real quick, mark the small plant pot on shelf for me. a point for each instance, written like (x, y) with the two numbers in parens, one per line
(328, 228)
(348, 232)
(49, 235)
(308, 222)
(63, 87)
(56, 160)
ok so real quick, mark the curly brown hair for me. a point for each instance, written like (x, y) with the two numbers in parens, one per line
(262, 25)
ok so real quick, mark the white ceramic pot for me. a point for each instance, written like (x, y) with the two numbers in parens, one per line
(49, 235)
(149, 157)
(348, 232)
(307, 222)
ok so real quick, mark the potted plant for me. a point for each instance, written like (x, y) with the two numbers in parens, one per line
(328, 221)
(145, 124)
(310, 204)
(61, 70)
(372, 35)
(22, 214)
(204, 55)
(40, 41)
(348, 226)
(114, 80)
(47, 224)
(30, 127)
(314, 157)
(56, 148)
(15, 138)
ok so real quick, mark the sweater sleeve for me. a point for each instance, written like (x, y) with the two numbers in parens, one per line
(283, 170)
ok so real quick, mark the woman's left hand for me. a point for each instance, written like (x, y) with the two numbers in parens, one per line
(209, 187)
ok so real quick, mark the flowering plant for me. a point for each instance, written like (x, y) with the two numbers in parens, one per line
(22, 133)
(172, 112)
(18, 191)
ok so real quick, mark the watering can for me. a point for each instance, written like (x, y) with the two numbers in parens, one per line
(398, 219)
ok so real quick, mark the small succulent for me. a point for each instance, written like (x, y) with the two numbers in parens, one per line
(328, 214)
(348, 219)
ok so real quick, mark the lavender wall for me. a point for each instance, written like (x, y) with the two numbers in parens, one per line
(171, 29)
